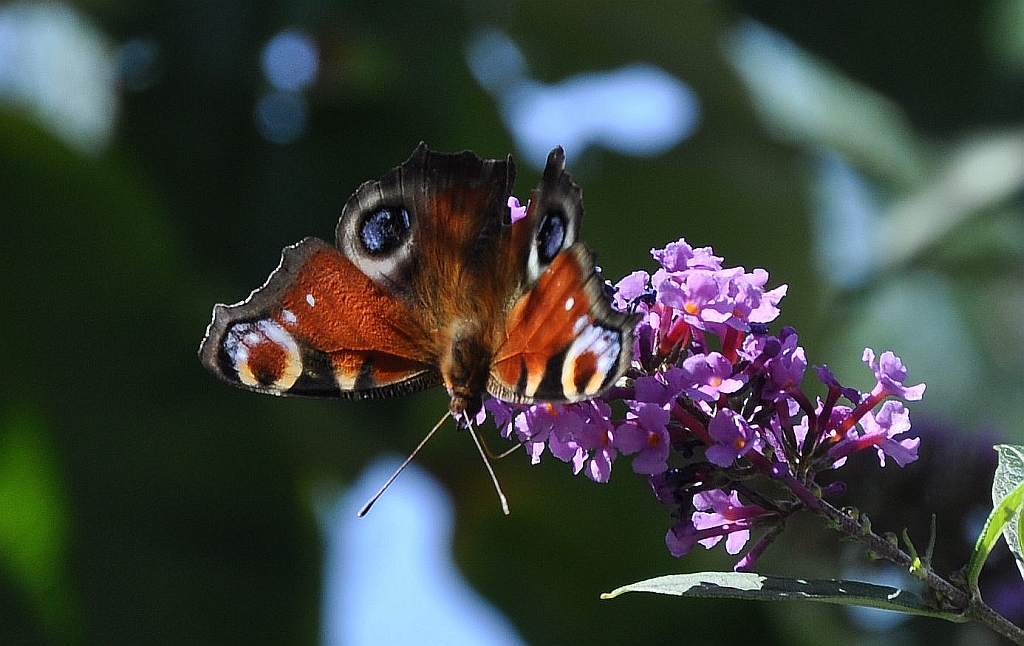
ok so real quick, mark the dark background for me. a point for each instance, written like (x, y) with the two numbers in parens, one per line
(141, 501)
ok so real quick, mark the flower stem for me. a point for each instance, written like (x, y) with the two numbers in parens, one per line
(954, 599)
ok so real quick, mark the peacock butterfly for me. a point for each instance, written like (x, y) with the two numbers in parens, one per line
(431, 282)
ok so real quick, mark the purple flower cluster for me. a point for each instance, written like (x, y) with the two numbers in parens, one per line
(712, 405)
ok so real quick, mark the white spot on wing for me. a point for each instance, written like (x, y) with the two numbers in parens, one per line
(289, 317)
(579, 324)
(310, 300)
(569, 302)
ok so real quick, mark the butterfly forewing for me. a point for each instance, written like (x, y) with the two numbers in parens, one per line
(564, 342)
(318, 327)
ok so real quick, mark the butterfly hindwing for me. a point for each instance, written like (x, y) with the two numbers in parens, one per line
(318, 327)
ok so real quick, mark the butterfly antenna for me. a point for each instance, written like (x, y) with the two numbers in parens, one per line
(499, 456)
(507, 452)
(401, 468)
(490, 470)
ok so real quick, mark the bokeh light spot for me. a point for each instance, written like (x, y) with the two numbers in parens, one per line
(290, 60)
(282, 117)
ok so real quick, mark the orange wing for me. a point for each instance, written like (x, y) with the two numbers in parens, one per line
(318, 327)
(563, 342)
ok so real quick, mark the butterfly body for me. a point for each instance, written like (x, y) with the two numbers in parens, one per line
(430, 282)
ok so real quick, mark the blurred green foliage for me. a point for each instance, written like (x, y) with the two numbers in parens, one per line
(143, 502)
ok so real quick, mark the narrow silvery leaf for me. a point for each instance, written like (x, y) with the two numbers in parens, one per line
(747, 585)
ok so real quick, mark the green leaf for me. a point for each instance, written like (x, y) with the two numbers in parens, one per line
(747, 585)
(1020, 537)
(34, 523)
(1008, 502)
